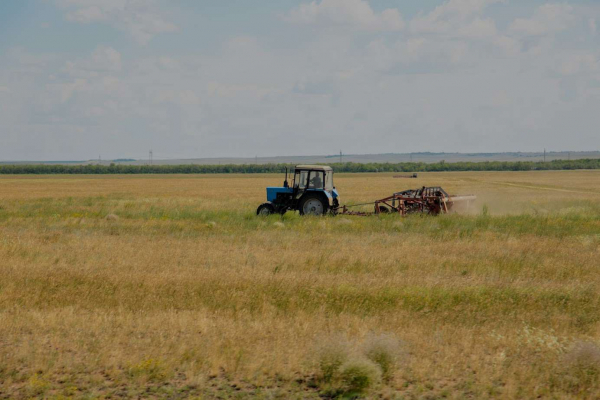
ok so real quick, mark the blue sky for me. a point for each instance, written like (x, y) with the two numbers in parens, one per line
(213, 78)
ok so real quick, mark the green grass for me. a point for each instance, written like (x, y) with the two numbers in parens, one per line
(575, 219)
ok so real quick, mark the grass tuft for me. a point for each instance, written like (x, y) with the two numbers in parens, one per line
(358, 375)
(149, 369)
(581, 366)
(385, 350)
(109, 217)
(332, 354)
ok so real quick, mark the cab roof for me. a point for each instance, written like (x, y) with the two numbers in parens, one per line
(315, 167)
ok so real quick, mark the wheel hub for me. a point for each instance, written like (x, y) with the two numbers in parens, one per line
(313, 207)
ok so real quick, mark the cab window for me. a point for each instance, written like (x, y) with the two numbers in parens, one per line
(300, 179)
(329, 180)
(316, 180)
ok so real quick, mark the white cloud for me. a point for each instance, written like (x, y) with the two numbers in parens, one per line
(355, 13)
(106, 58)
(510, 45)
(547, 19)
(572, 64)
(67, 90)
(478, 28)
(87, 15)
(454, 16)
(142, 19)
(95, 112)
(102, 59)
(181, 97)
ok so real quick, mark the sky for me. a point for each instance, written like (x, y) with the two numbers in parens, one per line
(81, 79)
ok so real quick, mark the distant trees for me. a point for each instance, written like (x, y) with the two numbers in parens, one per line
(275, 168)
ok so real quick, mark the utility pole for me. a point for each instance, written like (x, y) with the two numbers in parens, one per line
(340, 156)
(544, 155)
(151, 156)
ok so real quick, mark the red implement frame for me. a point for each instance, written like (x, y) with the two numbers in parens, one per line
(428, 200)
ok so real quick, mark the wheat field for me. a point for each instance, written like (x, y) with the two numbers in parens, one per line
(170, 287)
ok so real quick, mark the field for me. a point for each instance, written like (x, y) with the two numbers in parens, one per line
(169, 286)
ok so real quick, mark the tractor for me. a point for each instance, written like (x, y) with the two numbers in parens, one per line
(311, 193)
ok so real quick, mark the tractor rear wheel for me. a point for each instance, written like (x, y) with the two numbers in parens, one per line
(313, 205)
(265, 209)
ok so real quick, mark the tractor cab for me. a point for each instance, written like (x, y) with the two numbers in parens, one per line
(313, 177)
(312, 192)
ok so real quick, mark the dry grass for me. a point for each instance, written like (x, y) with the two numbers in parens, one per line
(187, 293)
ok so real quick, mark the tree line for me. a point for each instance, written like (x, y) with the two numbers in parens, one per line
(276, 168)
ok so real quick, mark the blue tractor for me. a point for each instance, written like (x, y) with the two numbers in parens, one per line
(311, 193)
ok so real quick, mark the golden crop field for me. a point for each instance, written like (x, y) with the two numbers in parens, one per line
(170, 287)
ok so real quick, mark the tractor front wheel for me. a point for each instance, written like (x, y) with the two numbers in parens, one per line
(265, 209)
(313, 205)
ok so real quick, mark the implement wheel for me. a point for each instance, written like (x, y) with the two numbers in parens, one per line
(313, 205)
(265, 209)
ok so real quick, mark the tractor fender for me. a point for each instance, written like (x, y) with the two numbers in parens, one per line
(324, 194)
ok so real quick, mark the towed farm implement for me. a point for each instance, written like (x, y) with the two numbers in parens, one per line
(426, 200)
(312, 193)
